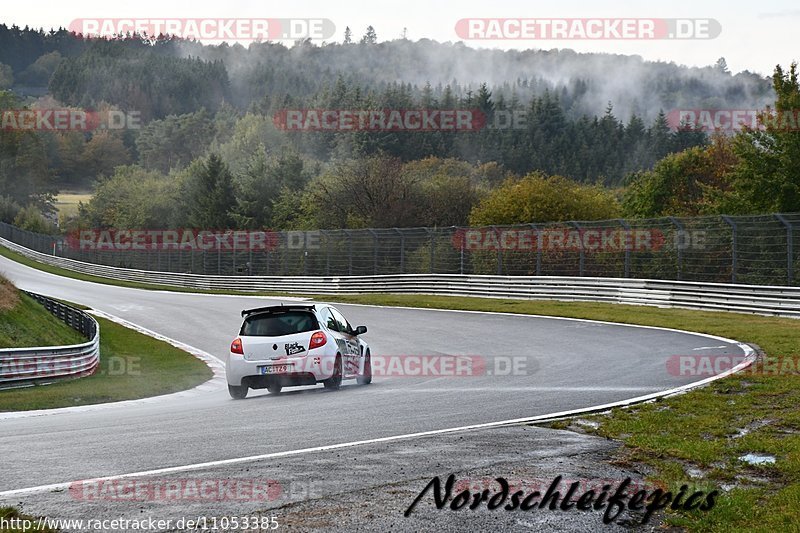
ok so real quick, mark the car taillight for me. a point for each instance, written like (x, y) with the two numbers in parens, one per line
(236, 346)
(317, 339)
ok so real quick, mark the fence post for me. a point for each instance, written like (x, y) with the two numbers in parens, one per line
(499, 250)
(350, 251)
(538, 234)
(679, 244)
(327, 251)
(402, 249)
(305, 253)
(461, 252)
(789, 248)
(582, 260)
(374, 251)
(285, 256)
(734, 240)
(626, 227)
(432, 245)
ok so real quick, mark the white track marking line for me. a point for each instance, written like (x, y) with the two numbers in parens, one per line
(750, 357)
(708, 348)
(523, 389)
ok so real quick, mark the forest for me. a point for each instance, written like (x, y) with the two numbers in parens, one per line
(595, 143)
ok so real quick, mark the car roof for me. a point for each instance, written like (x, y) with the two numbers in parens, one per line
(279, 309)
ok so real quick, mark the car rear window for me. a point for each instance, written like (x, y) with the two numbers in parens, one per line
(278, 324)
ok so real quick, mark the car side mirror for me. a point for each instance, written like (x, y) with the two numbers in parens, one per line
(360, 330)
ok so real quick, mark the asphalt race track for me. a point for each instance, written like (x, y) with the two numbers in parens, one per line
(568, 365)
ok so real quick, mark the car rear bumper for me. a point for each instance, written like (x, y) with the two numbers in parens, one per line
(306, 370)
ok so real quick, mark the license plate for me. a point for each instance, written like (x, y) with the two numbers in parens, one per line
(275, 369)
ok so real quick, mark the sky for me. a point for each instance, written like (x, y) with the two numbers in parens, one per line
(755, 36)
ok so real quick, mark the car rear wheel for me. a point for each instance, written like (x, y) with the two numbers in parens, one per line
(366, 377)
(238, 393)
(335, 381)
(274, 388)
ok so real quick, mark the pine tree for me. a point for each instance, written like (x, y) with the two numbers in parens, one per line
(370, 37)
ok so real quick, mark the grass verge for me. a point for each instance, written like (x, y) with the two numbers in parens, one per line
(132, 366)
(24, 322)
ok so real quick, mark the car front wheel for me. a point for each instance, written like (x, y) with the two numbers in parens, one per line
(238, 393)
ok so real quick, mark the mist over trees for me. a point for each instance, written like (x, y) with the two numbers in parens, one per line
(209, 150)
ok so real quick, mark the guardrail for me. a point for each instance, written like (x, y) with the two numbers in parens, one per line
(759, 299)
(40, 365)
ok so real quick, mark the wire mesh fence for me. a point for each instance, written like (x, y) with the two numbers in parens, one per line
(760, 250)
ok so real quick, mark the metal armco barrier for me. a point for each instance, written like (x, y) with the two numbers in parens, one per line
(760, 299)
(40, 365)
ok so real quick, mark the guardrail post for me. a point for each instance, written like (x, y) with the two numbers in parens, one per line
(679, 245)
(734, 242)
(627, 268)
(582, 259)
(789, 248)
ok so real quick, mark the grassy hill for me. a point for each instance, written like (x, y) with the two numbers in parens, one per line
(24, 322)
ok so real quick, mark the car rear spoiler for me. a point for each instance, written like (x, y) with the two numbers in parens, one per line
(279, 308)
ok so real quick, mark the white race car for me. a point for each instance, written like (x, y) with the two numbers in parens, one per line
(296, 344)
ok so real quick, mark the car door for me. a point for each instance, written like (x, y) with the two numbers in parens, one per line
(353, 351)
(327, 318)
